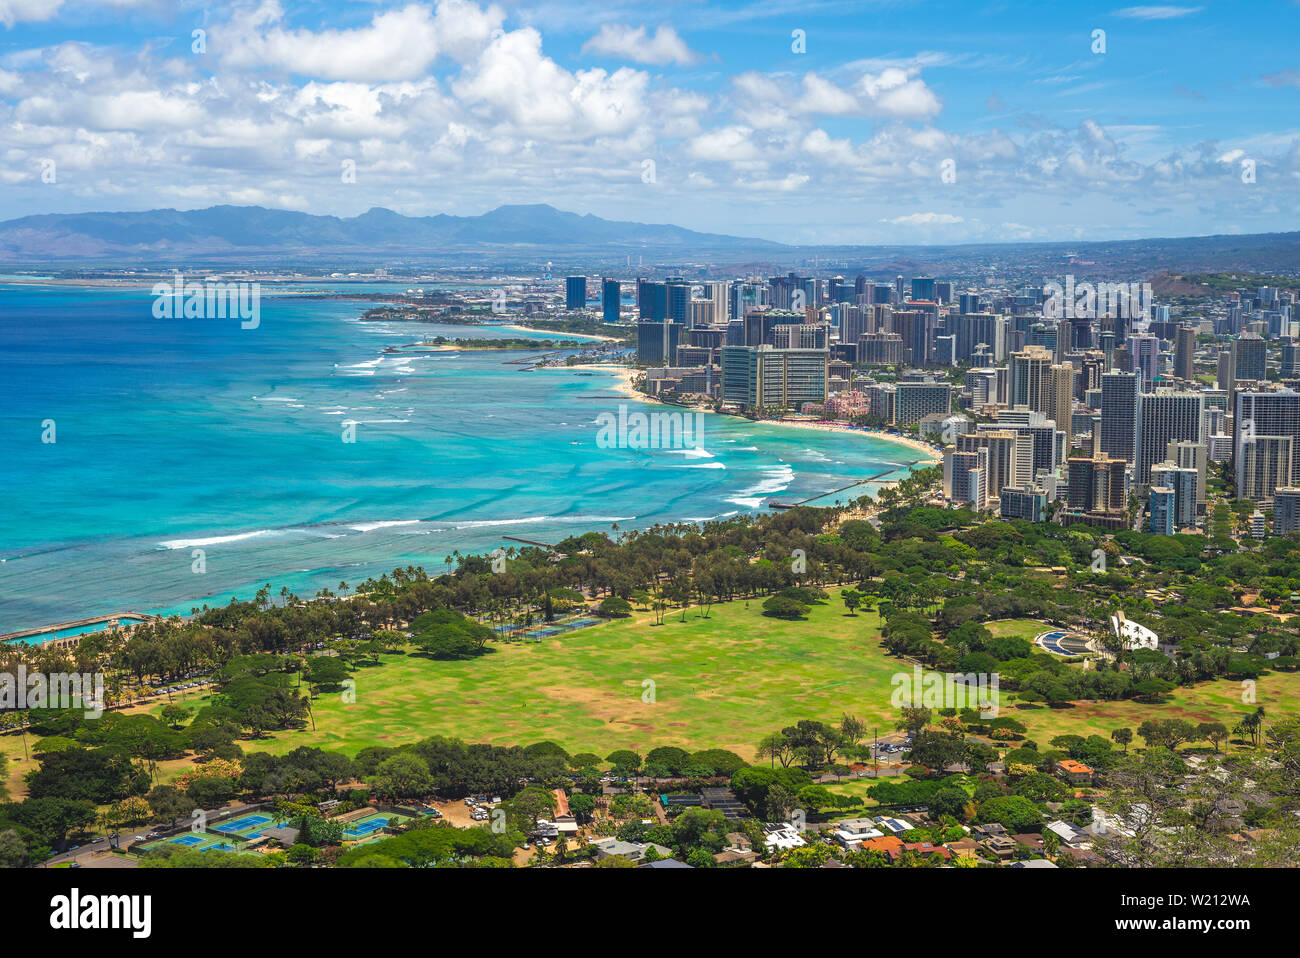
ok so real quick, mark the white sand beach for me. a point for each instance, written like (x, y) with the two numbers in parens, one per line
(927, 452)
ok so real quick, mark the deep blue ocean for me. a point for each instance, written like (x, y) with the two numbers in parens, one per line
(179, 434)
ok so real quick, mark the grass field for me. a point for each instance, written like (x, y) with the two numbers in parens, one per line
(724, 681)
(719, 682)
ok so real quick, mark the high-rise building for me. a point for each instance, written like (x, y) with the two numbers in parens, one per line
(1165, 416)
(1029, 370)
(1264, 414)
(800, 336)
(1265, 467)
(1195, 456)
(764, 377)
(656, 343)
(1249, 358)
(1185, 353)
(1008, 454)
(611, 299)
(1145, 351)
(679, 300)
(1286, 511)
(1059, 402)
(918, 400)
(1027, 502)
(1162, 511)
(1048, 441)
(965, 477)
(575, 292)
(1290, 359)
(1096, 491)
(1183, 484)
(972, 329)
(1119, 398)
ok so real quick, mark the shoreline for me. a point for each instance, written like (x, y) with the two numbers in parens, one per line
(929, 455)
(622, 385)
(533, 329)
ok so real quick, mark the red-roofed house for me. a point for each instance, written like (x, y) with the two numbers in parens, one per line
(1076, 773)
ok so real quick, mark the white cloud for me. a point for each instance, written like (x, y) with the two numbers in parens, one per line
(925, 219)
(1160, 12)
(899, 93)
(661, 48)
(554, 102)
(35, 11)
(396, 44)
(728, 144)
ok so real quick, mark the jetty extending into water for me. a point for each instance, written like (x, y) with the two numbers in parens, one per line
(773, 504)
(68, 634)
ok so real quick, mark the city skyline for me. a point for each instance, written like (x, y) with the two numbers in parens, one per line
(915, 123)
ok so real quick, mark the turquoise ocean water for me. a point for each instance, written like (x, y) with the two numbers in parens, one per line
(176, 435)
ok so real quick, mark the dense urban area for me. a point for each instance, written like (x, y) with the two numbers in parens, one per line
(1066, 638)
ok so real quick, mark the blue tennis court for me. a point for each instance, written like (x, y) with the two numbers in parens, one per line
(365, 827)
(241, 824)
(189, 840)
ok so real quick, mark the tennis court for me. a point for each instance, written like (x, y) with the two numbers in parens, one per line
(196, 841)
(560, 627)
(240, 825)
(365, 827)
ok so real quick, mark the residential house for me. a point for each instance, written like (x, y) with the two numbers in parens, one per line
(965, 847)
(782, 837)
(1003, 846)
(1067, 832)
(632, 851)
(1076, 773)
(851, 832)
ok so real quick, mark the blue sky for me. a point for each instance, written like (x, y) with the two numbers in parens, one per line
(897, 122)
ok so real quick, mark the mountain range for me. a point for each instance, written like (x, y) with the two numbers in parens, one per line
(235, 231)
(528, 235)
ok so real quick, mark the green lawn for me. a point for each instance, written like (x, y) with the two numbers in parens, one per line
(719, 682)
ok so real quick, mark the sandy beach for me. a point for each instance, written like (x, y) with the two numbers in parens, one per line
(557, 333)
(927, 452)
(625, 376)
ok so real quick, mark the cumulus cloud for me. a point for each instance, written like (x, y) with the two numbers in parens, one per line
(396, 44)
(661, 48)
(899, 93)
